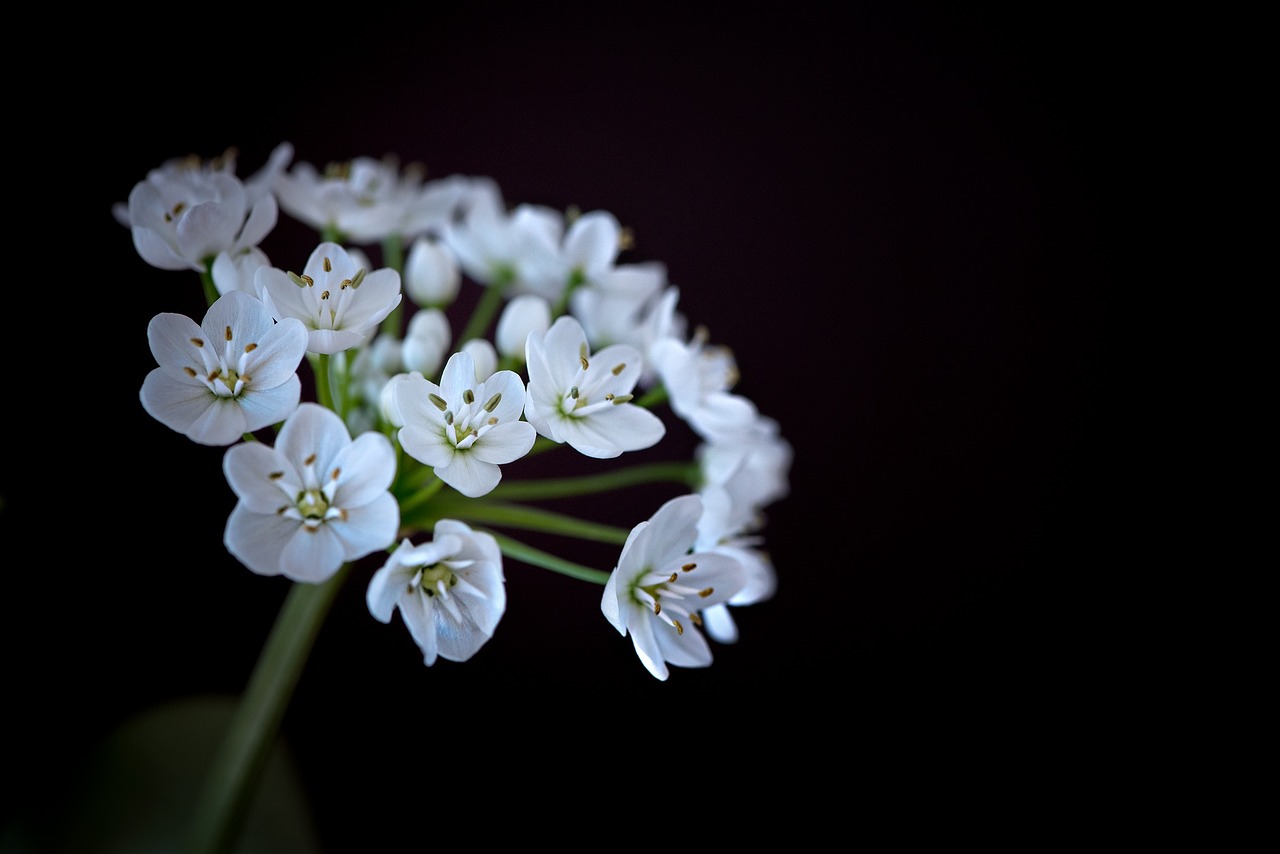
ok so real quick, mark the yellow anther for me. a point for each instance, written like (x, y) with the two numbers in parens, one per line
(228, 333)
(468, 397)
(619, 368)
(328, 268)
(199, 342)
(688, 566)
(437, 401)
(706, 591)
(310, 461)
(493, 402)
(249, 348)
(324, 295)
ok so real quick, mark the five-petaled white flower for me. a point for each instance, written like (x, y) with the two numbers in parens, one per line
(235, 373)
(315, 500)
(182, 217)
(339, 300)
(463, 428)
(451, 592)
(660, 585)
(584, 399)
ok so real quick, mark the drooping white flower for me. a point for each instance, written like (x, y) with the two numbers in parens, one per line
(584, 399)
(234, 373)
(755, 467)
(698, 379)
(660, 585)
(181, 219)
(314, 501)
(733, 531)
(451, 591)
(339, 301)
(462, 428)
(431, 275)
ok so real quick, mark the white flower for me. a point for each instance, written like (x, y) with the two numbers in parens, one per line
(431, 275)
(314, 501)
(451, 592)
(517, 251)
(367, 200)
(584, 399)
(237, 271)
(182, 218)
(340, 303)
(426, 341)
(589, 249)
(697, 379)
(235, 373)
(483, 353)
(755, 467)
(523, 315)
(660, 585)
(729, 530)
(462, 428)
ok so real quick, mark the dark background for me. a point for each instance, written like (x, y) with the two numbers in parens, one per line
(905, 223)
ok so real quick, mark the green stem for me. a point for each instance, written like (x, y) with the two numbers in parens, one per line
(480, 319)
(393, 257)
(560, 487)
(534, 557)
(516, 516)
(206, 279)
(324, 395)
(242, 756)
(653, 397)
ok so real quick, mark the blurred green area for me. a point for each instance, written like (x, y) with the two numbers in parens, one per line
(135, 793)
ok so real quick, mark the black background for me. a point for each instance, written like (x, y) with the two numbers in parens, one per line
(905, 223)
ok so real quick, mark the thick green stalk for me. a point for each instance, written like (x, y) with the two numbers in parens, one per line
(486, 308)
(242, 756)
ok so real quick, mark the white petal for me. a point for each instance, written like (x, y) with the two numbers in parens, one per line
(386, 586)
(469, 475)
(262, 218)
(257, 539)
(428, 446)
(368, 527)
(264, 407)
(610, 432)
(157, 252)
(592, 242)
(313, 429)
(647, 647)
(248, 468)
(312, 555)
(419, 619)
(683, 649)
(367, 466)
(279, 352)
(505, 443)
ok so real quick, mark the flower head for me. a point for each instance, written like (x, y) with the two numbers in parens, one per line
(336, 297)
(464, 429)
(314, 501)
(235, 373)
(451, 592)
(182, 216)
(660, 585)
(585, 399)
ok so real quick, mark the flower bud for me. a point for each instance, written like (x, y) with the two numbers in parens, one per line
(431, 274)
(523, 314)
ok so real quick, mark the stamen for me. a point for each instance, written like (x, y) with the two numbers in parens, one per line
(492, 421)
(324, 295)
(275, 475)
(199, 342)
(657, 607)
(346, 283)
(336, 473)
(249, 348)
(697, 619)
(621, 399)
(679, 628)
(688, 567)
(328, 268)
(619, 368)
(190, 372)
(585, 363)
(228, 333)
(448, 418)
(359, 277)
(573, 392)
(438, 401)
(310, 461)
(706, 591)
(674, 576)
(493, 402)
(296, 279)
(468, 397)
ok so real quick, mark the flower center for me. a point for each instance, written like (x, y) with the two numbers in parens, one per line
(226, 373)
(669, 600)
(436, 579)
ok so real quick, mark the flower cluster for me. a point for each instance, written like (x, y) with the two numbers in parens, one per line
(357, 421)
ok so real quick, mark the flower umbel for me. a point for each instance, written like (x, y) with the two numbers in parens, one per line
(422, 420)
